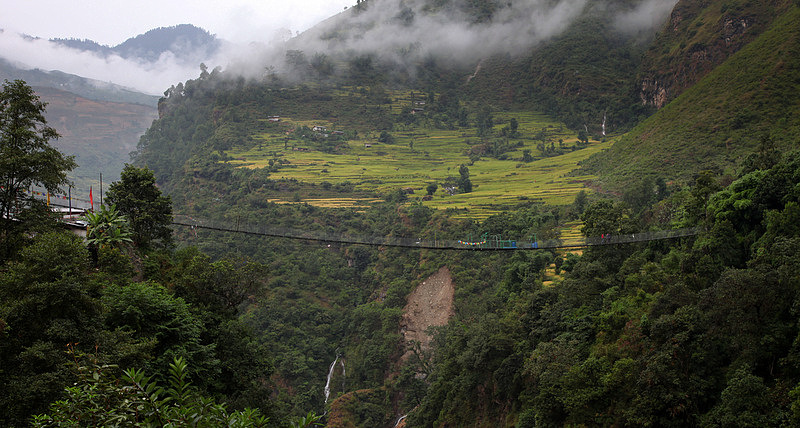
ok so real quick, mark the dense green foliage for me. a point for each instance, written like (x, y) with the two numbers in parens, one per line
(701, 331)
(51, 296)
(107, 228)
(148, 212)
(26, 159)
(98, 399)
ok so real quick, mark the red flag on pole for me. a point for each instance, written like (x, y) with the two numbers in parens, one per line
(91, 200)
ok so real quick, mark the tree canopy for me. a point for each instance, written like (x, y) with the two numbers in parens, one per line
(141, 202)
(26, 157)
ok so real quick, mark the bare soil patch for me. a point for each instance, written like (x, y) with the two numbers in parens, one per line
(430, 304)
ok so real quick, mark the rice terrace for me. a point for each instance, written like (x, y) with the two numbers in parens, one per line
(536, 164)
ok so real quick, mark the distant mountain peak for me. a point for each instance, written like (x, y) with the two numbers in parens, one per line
(186, 42)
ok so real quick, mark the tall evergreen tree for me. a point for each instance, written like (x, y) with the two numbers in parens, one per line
(26, 158)
(141, 202)
(464, 183)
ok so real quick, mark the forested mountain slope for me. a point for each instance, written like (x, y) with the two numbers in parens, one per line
(576, 60)
(697, 331)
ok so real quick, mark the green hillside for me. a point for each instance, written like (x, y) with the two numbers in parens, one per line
(715, 123)
(285, 291)
(698, 37)
(375, 142)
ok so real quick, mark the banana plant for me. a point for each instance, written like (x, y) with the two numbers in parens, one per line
(107, 228)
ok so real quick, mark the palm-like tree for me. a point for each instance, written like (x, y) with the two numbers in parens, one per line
(107, 228)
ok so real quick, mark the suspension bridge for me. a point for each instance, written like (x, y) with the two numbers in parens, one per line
(485, 243)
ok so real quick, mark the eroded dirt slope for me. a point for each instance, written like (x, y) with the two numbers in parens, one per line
(430, 304)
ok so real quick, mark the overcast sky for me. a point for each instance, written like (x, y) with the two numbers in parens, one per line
(111, 22)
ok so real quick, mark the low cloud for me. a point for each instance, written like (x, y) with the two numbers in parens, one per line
(150, 77)
(400, 28)
(645, 16)
(402, 32)
(406, 32)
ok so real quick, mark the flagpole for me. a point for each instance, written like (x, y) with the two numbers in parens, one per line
(101, 189)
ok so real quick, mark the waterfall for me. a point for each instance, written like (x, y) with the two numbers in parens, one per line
(477, 69)
(604, 124)
(400, 419)
(330, 374)
(343, 373)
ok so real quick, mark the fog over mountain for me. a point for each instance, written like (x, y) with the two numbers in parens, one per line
(646, 16)
(458, 31)
(145, 66)
(388, 27)
(396, 31)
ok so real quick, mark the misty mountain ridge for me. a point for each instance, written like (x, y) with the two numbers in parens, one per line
(147, 63)
(543, 55)
(91, 89)
(187, 43)
(469, 30)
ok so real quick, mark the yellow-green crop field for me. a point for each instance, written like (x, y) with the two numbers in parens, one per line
(422, 155)
(570, 233)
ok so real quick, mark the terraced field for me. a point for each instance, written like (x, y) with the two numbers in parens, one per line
(418, 156)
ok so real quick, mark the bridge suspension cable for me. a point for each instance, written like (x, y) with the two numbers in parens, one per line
(490, 243)
(486, 243)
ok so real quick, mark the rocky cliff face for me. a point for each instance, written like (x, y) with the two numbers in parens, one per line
(699, 36)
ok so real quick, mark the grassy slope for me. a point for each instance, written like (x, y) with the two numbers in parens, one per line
(719, 120)
(699, 37)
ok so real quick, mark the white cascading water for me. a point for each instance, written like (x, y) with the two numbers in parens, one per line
(399, 420)
(477, 69)
(328, 383)
(343, 373)
(604, 124)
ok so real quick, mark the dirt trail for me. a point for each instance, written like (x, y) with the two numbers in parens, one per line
(430, 304)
